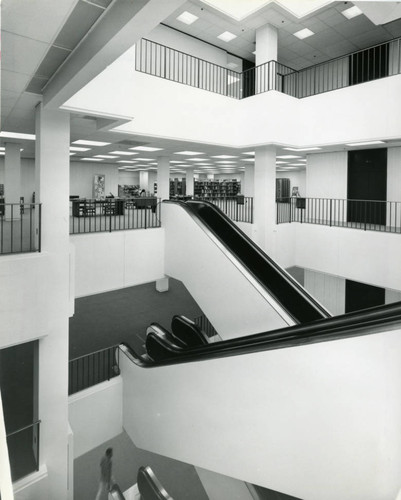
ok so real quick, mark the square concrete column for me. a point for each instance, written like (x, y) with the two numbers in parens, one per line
(144, 180)
(265, 197)
(266, 44)
(189, 174)
(163, 177)
(249, 181)
(12, 179)
(52, 171)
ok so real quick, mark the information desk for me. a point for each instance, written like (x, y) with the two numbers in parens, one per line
(88, 208)
(145, 202)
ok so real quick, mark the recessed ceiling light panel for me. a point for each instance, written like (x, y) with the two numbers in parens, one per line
(227, 36)
(288, 157)
(91, 159)
(352, 12)
(366, 143)
(108, 157)
(17, 135)
(187, 18)
(302, 149)
(223, 157)
(146, 148)
(91, 143)
(122, 153)
(305, 33)
(75, 148)
(188, 153)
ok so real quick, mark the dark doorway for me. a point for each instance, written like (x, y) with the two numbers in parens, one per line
(367, 181)
(361, 296)
(248, 75)
(369, 64)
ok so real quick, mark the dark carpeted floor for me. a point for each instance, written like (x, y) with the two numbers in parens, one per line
(106, 319)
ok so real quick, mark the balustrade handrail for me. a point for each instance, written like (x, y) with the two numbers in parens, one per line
(273, 70)
(94, 352)
(192, 56)
(23, 428)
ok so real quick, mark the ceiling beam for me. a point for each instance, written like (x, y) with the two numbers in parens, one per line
(124, 23)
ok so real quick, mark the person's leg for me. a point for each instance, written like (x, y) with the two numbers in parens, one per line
(102, 492)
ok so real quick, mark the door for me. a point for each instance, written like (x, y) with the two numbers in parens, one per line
(367, 181)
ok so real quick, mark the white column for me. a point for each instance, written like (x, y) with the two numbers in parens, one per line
(264, 198)
(163, 177)
(249, 174)
(144, 180)
(52, 168)
(266, 44)
(12, 179)
(189, 174)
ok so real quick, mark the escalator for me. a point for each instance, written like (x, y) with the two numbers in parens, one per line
(310, 410)
(225, 270)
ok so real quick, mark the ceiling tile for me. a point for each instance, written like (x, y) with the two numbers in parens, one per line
(21, 52)
(36, 20)
(355, 26)
(316, 25)
(335, 20)
(13, 81)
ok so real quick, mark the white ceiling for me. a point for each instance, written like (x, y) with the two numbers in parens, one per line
(30, 30)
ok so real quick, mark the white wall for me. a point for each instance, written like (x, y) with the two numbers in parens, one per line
(297, 178)
(366, 256)
(320, 422)
(234, 304)
(129, 178)
(81, 177)
(329, 290)
(241, 123)
(103, 401)
(394, 174)
(326, 175)
(109, 261)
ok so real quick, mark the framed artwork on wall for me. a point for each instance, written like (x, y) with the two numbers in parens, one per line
(99, 186)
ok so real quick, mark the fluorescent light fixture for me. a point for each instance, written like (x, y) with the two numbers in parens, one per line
(296, 164)
(91, 159)
(91, 143)
(196, 159)
(122, 153)
(224, 156)
(125, 161)
(302, 149)
(187, 18)
(305, 33)
(254, 52)
(2, 153)
(144, 159)
(17, 135)
(108, 157)
(248, 159)
(121, 168)
(2, 148)
(366, 143)
(188, 153)
(249, 153)
(287, 157)
(75, 148)
(72, 154)
(204, 164)
(146, 148)
(227, 36)
(352, 12)
(282, 162)
(226, 162)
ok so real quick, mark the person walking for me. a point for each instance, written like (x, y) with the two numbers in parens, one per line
(106, 478)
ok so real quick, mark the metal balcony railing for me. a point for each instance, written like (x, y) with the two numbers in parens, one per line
(114, 214)
(368, 215)
(364, 65)
(20, 227)
(23, 450)
(238, 208)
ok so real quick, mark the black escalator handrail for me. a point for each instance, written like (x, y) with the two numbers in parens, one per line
(149, 486)
(293, 298)
(342, 327)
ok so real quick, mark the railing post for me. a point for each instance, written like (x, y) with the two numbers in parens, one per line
(330, 210)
